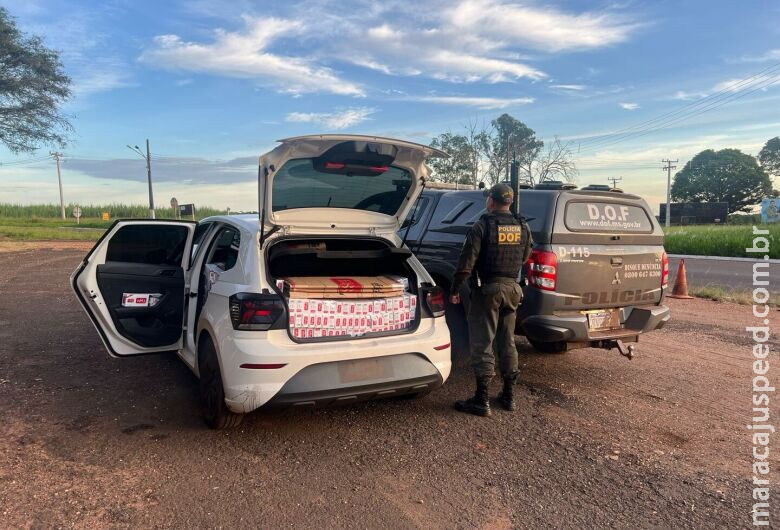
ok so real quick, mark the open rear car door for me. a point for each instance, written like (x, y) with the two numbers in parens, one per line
(132, 285)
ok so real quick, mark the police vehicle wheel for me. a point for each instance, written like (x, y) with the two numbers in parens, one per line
(212, 393)
(548, 347)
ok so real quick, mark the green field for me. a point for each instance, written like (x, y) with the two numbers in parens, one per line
(719, 240)
(43, 222)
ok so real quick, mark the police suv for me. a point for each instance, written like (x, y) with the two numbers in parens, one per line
(597, 274)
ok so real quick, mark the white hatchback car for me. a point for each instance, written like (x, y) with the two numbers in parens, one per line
(331, 206)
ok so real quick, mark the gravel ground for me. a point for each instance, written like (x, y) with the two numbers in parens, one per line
(87, 441)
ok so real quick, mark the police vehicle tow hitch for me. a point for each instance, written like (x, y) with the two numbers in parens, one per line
(625, 350)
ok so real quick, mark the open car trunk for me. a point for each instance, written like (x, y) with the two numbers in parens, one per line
(350, 272)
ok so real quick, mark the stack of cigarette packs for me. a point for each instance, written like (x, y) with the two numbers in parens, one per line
(323, 317)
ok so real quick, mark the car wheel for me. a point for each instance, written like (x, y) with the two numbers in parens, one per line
(549, 347)
(212, 393)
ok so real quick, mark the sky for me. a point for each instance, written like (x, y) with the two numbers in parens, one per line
(213, 85)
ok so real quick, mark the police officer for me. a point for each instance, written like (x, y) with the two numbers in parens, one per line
(496, 247)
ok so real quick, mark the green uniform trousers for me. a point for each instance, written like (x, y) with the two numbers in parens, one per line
(492, 318)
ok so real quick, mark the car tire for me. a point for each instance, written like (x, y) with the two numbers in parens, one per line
(212, 392)
(548, 347)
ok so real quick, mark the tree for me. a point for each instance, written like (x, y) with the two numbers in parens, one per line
(509, 138)
(459, 166)
(555, 163)
(33, 86)
(770, 156)
(728, 175)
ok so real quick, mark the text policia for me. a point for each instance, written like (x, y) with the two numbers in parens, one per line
(762, 388)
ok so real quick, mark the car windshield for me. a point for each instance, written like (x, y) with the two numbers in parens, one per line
(298, 184)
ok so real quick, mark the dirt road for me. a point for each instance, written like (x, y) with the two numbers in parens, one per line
(88, 441)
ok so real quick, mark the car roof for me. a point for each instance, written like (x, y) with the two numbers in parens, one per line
(248, 221)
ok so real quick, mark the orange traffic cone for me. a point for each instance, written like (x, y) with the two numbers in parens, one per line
(680, 289)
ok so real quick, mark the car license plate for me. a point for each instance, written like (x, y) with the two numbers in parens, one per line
(364, 369)
(603, 319)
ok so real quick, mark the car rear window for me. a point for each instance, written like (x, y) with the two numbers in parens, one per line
(298, 184)
(594, 216)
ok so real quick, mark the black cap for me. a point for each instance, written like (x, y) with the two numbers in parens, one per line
(501, 193)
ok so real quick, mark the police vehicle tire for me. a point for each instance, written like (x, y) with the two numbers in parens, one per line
(548, 347)
(212, 393)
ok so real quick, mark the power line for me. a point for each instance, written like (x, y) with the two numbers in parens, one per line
(726, 91)
(729, 94)
(667, 124)
(615, 180)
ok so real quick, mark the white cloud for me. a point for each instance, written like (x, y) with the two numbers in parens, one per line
(576, 88)
(542, 28)
(682, 95)
(629, 106)
(485, 103)
(333, 120)
(746, 84)
(245, 54)
(770, 55)
(730, 85)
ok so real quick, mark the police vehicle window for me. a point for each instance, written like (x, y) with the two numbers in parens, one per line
(224, 252)
(535, 209)
(298, 184)
(197, 239)
(453, 214)
(149, 244)
(609, 217)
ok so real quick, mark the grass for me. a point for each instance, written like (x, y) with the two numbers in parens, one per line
(42, 221)
(719, 294)
(93, 211)
(719, 240)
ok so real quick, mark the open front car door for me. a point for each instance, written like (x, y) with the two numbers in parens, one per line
(132, 285)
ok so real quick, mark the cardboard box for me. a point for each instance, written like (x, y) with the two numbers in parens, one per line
(320, 287)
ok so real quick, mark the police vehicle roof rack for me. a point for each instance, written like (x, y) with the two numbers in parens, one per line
(601, 187)
(555, 185)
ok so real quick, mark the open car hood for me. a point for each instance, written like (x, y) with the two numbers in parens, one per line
(316, 216)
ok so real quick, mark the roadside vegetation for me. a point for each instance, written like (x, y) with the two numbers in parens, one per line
(42, 221)
(719, 240)
(719, 294)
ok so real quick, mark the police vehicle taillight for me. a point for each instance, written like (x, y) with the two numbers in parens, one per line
(664, 270)
(256, 312)
(543, 269)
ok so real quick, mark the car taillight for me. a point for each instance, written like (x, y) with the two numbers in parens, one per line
(256, 312)
(543, 269)
(664, 270)
(434, 299)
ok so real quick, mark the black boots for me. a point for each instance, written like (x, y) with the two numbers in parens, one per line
(479, 404)
(507, 397)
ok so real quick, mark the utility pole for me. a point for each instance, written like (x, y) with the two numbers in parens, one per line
(668, 168)
(615, 180)
(56, 156)
(148, 158)
(149, 176)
